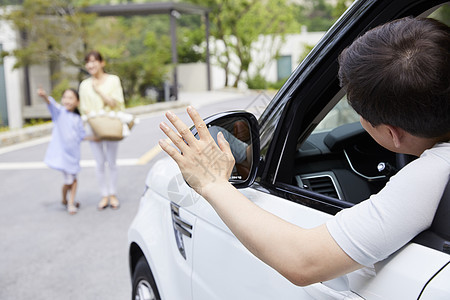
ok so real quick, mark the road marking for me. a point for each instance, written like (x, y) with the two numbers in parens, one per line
(149, 155)
(86, 163)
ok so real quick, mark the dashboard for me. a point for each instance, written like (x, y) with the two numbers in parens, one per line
(344, 163)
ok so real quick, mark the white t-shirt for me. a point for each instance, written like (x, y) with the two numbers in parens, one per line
(373, 229)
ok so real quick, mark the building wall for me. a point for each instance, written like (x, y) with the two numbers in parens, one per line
(13, 77)
(192, 77)
(292, 45)
(39, 76)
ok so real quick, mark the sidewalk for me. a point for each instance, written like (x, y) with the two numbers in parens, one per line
(196, 99)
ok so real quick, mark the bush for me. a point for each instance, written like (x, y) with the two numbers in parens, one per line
(257, 83)
(137, 100)
(278, 84)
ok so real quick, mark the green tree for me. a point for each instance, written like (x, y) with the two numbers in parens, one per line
(340, 8)
(46, 27)
(317, 15)
(239, 23)
(10, 2)
(191, 39)
(51, 31)
(58, 32)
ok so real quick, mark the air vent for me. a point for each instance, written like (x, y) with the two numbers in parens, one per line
(322, 184)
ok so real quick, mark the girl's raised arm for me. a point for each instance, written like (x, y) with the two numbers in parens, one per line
(42, 93)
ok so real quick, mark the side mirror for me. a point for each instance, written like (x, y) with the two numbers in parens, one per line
(241, 130)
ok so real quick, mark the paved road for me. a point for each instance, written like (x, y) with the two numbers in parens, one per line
(47, 254)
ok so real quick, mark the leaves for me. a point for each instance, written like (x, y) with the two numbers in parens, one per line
(138, 49)
(238, 24)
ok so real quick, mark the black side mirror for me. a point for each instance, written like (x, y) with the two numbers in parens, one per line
(241, 130)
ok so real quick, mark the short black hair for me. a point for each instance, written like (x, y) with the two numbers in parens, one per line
(398, 74)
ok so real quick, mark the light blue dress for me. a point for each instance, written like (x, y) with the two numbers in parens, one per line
(63, 152)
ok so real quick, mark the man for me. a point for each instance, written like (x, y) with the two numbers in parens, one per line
(397, 78)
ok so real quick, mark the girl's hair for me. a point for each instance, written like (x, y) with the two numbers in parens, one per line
(75, 92)
(95, 54)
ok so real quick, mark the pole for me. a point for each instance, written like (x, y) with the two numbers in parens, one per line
(173, 34)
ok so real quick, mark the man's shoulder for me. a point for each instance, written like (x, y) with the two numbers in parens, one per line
(440, 151)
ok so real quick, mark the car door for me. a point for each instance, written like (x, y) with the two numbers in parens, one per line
(224, 269)
(438, 288)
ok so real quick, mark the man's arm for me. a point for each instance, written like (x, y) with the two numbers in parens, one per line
(303, 256)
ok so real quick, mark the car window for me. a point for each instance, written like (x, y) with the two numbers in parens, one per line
(339, 159)
(342, 113)
(442, 14)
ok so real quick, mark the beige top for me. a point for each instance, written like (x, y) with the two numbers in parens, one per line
(90, 101)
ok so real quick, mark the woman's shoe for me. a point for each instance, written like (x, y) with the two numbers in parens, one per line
(72, 209)
(103, 203)
(114, 202)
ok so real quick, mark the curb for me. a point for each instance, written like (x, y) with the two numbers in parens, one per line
(20, 135)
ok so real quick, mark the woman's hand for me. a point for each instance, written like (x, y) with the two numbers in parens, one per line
(202, 163)
(108, 101)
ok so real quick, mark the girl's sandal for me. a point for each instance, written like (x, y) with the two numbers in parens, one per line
(72, 209)
(103, 203)
(114, 202)
(64, 202)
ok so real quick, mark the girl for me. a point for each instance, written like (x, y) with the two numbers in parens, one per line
(63, 152)
(102, 91)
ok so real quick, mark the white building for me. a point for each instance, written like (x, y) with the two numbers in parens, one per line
(18, 97)
(272, 58)
(11, 96)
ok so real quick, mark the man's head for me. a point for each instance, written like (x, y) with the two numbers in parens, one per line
(398, 74)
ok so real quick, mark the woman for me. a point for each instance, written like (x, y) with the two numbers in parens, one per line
(102, 91)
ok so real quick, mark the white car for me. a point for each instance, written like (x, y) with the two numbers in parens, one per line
(310, 158)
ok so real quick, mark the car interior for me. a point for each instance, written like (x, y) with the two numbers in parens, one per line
(338, 158)
(335, 163)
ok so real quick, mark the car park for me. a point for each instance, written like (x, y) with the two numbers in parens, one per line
(310, 158)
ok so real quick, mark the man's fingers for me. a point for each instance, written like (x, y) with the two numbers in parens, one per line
(223, 143)
(170, 150)
(202, 130)
(173, 136)
(184, 131)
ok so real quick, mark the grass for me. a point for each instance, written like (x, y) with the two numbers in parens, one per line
(33, 122)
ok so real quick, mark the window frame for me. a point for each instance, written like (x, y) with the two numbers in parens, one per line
(310, 93)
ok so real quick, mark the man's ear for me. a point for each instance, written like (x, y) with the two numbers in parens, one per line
(397, 134)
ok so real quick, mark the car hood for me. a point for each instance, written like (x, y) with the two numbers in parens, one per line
(165, 179)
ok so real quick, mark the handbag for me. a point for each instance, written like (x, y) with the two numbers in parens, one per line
(106, 127)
